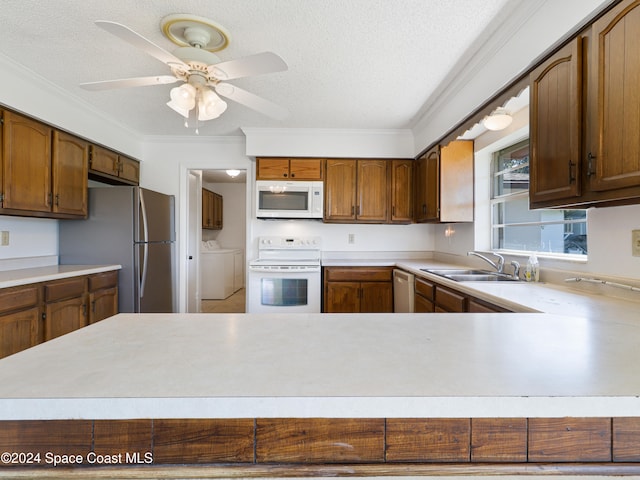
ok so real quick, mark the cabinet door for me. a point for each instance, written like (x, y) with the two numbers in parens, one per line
(342, 297)
(129, 169)
(422, 305)
(340, 190)
(427, 206)
(305, 168)
(70, 165)
(103, 304)
(103, 160)
(217, 211)
(376, 297)
(402, 191)
(19, 331)
(454, 201)
(26, 168)
(207, 209)
(64, 316)
(614, 98)
(272, 168)
(555, 126)
(372, 191)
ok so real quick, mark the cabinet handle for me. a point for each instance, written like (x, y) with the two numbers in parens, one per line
(572, 177)
(57, 199)
(353, 210)
(93, 306)
(49, 198)
(591, 160)
(285, 175)
(293, 175)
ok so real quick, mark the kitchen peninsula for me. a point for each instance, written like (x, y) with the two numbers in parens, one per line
(343, 394)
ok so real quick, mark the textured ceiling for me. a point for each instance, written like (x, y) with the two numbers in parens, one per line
(362, 64)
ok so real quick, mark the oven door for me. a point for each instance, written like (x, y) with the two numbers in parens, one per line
(284, 289)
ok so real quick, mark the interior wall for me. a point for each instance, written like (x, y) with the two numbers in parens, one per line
(29, 237)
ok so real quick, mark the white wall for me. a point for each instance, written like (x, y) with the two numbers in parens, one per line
(29, 237)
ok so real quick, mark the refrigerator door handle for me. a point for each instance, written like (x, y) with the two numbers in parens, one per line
(145, 239)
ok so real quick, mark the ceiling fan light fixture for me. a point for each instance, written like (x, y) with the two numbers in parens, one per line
(498, 120)
(177, 108)
(184, 96)
(210, 105)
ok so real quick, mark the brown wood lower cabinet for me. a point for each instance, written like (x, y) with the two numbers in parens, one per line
(321, 447)
(358, 289)
(19, 319)
(103, 296)
(430, 296)
(65, 307)
(33, 313)
(424, 295)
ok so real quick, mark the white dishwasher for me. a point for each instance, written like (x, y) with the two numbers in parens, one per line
(403, 291)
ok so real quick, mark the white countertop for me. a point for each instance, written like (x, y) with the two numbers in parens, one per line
(318, 365)
(24, 276)
(521, 296)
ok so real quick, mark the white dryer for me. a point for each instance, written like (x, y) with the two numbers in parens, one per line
(218, 273)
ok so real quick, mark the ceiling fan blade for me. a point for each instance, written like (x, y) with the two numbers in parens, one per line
(130, 82)
(258, 64)
(252, 101)
(137, 40)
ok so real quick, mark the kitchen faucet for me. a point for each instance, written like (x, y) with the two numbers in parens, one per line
(498, 266)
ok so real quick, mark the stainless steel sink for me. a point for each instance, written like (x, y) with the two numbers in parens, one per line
(462, 275)
(455, 271)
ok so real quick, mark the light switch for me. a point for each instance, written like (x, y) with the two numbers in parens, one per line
(4, 238)
(635, 243)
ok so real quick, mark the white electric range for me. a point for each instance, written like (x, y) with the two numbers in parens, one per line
(286, 276)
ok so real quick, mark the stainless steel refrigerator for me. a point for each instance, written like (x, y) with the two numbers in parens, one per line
(133, 227)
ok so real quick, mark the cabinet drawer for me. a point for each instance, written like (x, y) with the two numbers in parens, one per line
(480, 306)
(450, 300)
(424, 288)
(67, 288)
(18, 298)
(103, 280)
(356, 274)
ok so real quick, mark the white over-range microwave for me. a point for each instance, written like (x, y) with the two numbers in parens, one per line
(279, 199)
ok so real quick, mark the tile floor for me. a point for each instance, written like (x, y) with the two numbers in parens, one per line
(233, 304)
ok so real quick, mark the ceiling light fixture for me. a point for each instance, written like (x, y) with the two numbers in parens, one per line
(498, 120)
(233, 173)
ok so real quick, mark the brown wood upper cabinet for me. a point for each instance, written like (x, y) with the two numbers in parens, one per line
(289, 168)
(589, 154)
(402, 191)
(444, 184)
(113, 167)
(44, 171)
(368, 191)
(212, 204)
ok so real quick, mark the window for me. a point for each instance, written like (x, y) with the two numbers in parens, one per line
(514, 226)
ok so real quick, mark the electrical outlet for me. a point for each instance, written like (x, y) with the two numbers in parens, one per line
(635, 243)
(352, 238)
(4, 238)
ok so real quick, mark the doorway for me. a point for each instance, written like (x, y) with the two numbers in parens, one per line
(221, 258)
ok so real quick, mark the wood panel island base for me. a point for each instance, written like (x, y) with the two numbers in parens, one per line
(223, 448)
(362, 395)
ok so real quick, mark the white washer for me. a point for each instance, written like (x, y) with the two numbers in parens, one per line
(217, 273)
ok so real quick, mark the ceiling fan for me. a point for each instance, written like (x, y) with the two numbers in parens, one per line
(203, 75)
